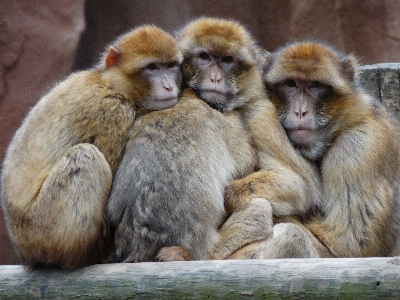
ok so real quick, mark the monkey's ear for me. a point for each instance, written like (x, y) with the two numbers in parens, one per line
(113, 56)
(263, 58)
(350, 67)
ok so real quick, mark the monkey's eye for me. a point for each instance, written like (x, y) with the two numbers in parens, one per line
(316, 85)
(227, 59)
(152, 67)
(204, 55)
(172, 64)
(290, 83)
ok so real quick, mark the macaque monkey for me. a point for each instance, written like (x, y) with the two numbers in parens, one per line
(168, 192)
(168, 189)
(353, 139)
(59, 167)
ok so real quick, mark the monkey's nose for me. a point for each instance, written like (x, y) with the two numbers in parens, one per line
(215, 77)
(301, 114)
(168, 85)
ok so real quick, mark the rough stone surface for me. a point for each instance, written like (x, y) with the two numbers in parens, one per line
(370, 29)
(38, 40)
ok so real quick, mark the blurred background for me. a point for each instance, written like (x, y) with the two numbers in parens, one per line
(42, 41)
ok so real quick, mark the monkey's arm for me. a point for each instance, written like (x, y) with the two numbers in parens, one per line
(289, 182)
(286, 191)
(254, 200)
(361, 182)
(275, 190)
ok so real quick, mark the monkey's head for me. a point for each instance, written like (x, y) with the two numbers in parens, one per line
(314, 89)
(220, 62)
(143, 65)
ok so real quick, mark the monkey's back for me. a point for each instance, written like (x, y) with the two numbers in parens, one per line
(80, 109)
(168, 190)
(369, 180)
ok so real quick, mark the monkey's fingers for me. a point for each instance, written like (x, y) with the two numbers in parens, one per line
(237, 194)
(173, 253)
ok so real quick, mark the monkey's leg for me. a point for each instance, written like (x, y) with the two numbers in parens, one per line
(288, 241)
(245, 226)
(68, 227)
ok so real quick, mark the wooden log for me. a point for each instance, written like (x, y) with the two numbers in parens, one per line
(383, 82)
(347, 278)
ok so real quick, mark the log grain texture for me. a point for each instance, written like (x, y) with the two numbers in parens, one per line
(344, 278)
(383, 82)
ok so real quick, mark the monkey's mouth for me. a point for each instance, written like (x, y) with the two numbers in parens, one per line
(172, 99)
(301, 135)
(161, 103)
(213, 96)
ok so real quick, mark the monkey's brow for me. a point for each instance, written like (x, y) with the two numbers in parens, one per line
(156, 60)
(214, 51)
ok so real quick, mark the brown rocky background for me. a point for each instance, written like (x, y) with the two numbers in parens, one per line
(42, 41)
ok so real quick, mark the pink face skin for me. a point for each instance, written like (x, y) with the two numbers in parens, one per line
(164, 90)
(213, 86)
(300, 121)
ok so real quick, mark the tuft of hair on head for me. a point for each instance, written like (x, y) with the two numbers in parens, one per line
(313, 60)
(144, 42)
(221, 35)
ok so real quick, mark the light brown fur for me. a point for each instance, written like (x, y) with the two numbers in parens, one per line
(353, 140)
(58, 170)
(168, 190)
(283, 183)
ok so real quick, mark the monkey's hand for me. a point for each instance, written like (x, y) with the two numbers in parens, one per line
(237, 194)
(173, 253)
(245, 226)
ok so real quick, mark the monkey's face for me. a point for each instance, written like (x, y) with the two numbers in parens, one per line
(162, 81)
(214, 77)
(144, 66)
(311, 86)
(302, 107)
(153, 83)
(219, 62)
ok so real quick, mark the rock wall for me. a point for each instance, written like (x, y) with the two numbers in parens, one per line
(38, 42)
(42, 41)
(368, 28)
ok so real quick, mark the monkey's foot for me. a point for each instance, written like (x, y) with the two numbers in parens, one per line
(173, 253)
(251, 224)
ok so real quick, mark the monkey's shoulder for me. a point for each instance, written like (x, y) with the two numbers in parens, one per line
(372, 136)
(189, 117)
(77, 110)
(381, 113)
(80, 99)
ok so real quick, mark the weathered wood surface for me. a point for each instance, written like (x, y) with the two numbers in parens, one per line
(350, 278)
(383, 82)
